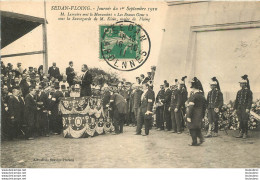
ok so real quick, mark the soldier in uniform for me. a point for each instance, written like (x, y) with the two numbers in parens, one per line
(175, 109)
(159, 108)
(145, 110)
(184, 97)
(214, 104)
(167, 102)
(243, 105)
(196, 112)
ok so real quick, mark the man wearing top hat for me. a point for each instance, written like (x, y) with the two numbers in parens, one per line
(243, 105)
(214, 104)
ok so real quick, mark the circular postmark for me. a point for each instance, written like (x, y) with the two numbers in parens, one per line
(125, 45)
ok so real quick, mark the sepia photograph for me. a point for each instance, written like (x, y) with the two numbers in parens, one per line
(130, 84)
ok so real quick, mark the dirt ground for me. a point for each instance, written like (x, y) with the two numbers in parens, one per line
(160, 149)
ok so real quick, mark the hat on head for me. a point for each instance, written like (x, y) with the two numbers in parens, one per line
(195, 83)
(215, 82)
(176, 81)
(245, 80)
(183, 80)
(153, 67)
(128, 84)
(166, 83)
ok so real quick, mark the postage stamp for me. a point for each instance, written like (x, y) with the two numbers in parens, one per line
(124, 45)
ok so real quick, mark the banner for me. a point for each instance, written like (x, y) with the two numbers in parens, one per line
(83, 117)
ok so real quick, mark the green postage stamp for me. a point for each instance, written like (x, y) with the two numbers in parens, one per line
(124, 45)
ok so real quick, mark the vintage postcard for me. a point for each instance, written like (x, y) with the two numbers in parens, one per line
(130, 84)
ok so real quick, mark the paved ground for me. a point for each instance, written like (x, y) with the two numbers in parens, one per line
(159, 149)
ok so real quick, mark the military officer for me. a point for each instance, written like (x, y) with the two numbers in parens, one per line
(196, 112)
(243, 105)
(159, 108)
(214, 104)
(175, 109)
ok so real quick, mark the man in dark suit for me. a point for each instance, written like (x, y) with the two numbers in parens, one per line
(175, 110)
(25, 85)
(119, 110)
(30, 113)
(70, 73)
(136, 102)
(54, 71)
(56, 116)
(42, 113)
(86, 82)
(167, 102)
(145, 110)
(184, 98)
(16, 107)
(160, 108)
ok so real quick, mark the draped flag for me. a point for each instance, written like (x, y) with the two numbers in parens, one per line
(83, 117)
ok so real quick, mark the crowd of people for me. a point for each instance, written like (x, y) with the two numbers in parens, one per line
(30, 100)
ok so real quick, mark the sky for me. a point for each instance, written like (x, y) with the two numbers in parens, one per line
(77, 41)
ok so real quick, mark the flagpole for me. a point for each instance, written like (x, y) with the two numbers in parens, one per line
(45, 47)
